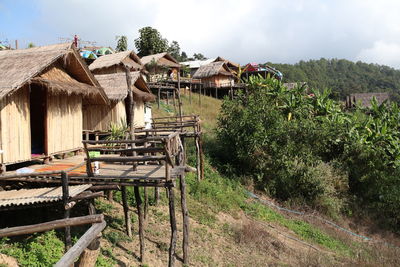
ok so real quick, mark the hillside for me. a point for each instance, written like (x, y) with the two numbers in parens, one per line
(343, 76)
(228, 227)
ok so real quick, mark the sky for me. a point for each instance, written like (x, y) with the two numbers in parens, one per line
(278, 31)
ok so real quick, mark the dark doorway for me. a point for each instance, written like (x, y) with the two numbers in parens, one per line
(38, 119)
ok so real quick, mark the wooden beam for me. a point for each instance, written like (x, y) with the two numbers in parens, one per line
(83, 242)
(43, 227)
(172, 219)
(125, 205)
(65, 198)
(139, 206)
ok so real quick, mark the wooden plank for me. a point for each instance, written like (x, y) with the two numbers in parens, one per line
(83, 242)
(42, 227)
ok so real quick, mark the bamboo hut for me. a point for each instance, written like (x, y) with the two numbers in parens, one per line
(41, 94)
(194, 65)
(161, 66)
(364, 99)
(215, 75)
(113, 73)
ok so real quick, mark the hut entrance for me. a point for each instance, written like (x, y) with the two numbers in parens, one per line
(38, 120)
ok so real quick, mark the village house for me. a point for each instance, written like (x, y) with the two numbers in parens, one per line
(42, 91)
(364, 99)
(194, 65)
(113, 73)
(161, 66)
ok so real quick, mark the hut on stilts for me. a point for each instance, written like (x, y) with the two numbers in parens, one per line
(42, 91)
(217, 78)
(120, 75)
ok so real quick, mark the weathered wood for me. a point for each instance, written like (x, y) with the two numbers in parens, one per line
(81, 244)
(88, 161)
(125, 205)
(156, 195)
(139, 206)
(89, 255)
(172, 219)
(87, 195)
(42, 227)
(185, 216)
(65, 198)
(104, 187)
(146, 202)
(126, 150)
(129, 159)
(158, 98)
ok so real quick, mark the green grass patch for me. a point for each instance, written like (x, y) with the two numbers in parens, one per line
(43, 249)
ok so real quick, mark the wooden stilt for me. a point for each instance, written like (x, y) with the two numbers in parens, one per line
(185, 215)
(158, 98)
(156, 195)
(146, 203)
(141, 222)
(198, 160)
(65, 190)
(125, 205)
(173, 100)
(171, 198)
(110, 195)
(190, 92)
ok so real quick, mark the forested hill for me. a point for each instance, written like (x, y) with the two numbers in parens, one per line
(343, 76)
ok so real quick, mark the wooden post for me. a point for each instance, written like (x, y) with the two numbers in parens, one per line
(216, 92)
(167, 97)
(146, 202)
(190, 92)
(185, 215)
(173, 100)
(172, 218)
(65, 197)
(198, 164)
(156, 195)
(141, 221)
(158, 98)
(125, 205)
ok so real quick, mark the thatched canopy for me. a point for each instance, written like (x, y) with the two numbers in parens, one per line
(125, 58)
(212, 69)
(229, 63)
(115, 86)
(162, 59)
(59, 67)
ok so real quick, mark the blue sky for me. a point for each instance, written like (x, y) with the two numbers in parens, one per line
(284, 31)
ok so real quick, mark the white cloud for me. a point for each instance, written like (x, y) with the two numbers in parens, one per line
(382, 52)
(252, 30)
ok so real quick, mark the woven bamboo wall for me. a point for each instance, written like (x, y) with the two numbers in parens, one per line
(15, 139)
(64, 122)
(99, 117)
(139, 114)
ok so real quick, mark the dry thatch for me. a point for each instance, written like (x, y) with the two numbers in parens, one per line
(126, 58)
(162, 59)
(364, 99)
(20, 67)
(115, 86)
(212, 69)
(229, 63)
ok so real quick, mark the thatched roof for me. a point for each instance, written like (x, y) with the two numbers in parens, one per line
(127, 58)
(212, 69)
(162, 59)
(364, 99)
(71, 75)
(115, 86)
(229, 63)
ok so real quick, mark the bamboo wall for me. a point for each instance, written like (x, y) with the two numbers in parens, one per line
(138, 114)
(64, 122)
(15, 139)
(99, 117)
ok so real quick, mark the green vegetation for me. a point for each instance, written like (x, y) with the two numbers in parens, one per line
(37, 250)
(343, 77)
(304, 149)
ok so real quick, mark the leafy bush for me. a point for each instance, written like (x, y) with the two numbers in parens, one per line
(302, 147)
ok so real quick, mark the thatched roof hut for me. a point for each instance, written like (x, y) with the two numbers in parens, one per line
(115, 61)
(161, 59)
(110, 71)
(215, 75)
(364, 99)
(41, 94)
(212, 69)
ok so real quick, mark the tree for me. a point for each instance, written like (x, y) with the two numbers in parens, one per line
(184, 56)
(122, 43)
(199, 56)
(30, 45)
(174, 50)
(150, 42)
